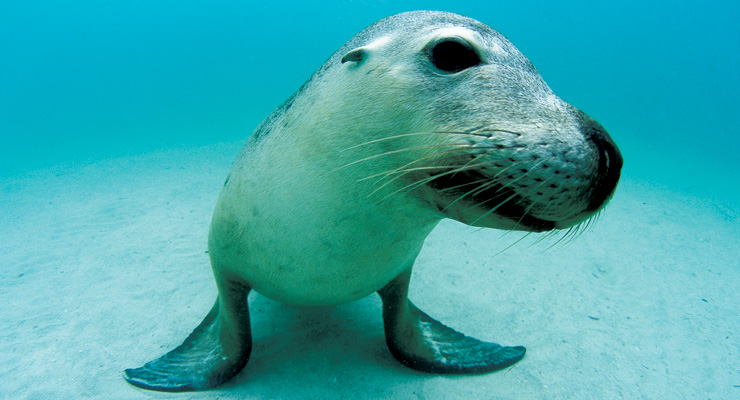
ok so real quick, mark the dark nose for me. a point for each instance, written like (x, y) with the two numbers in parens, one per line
(607, 173)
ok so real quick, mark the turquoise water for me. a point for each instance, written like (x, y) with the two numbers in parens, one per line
(84, 80)
(118, 121)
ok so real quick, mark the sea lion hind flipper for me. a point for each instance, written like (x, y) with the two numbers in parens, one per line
(422, 343)
(213, 353)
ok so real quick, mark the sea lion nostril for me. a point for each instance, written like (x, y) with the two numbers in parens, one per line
(609, 163)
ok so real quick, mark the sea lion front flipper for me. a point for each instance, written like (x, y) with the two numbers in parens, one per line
(420, 342)
(213, 353)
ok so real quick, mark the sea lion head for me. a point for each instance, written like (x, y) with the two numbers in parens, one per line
(465, 122)
(443, 112)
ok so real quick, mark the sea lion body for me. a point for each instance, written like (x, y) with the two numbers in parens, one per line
(422, 116)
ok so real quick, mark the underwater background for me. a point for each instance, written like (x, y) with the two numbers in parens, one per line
(119, 120)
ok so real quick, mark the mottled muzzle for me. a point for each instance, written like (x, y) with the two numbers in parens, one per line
(528, 177)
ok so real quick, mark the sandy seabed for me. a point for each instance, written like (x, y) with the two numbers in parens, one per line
(103, 266)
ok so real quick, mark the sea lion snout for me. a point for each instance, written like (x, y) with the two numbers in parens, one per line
(536, 175)
(609, 161)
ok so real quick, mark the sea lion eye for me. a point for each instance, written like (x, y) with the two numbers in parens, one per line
(453, 56)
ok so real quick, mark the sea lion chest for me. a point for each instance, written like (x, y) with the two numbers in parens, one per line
(302, 231)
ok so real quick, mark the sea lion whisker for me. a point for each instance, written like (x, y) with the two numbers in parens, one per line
(598, 214)
(511, 182)
(369, 142)
(551, 234)
(396, 151)
(403, 189)
(551, 202)
(572, 233)
(435, 157)
(529, 170)
(404, 135)
(529, 208)
(476, 190)
(402, 171)
(493, 180)
(468, 167)
(473, 159)
(545, 236)
(580, 228)
(488, 183)
(415, 184)
(406, 171)
(475, 182)
(423, 181)
(565, 234)
(589, 224)
(513, 244)
(493, 209)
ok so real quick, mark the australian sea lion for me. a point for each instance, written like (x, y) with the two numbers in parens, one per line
(421, 116)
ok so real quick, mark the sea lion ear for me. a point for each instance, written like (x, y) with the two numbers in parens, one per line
(357, 55)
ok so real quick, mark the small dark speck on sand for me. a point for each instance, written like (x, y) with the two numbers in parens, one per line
(594, 318)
